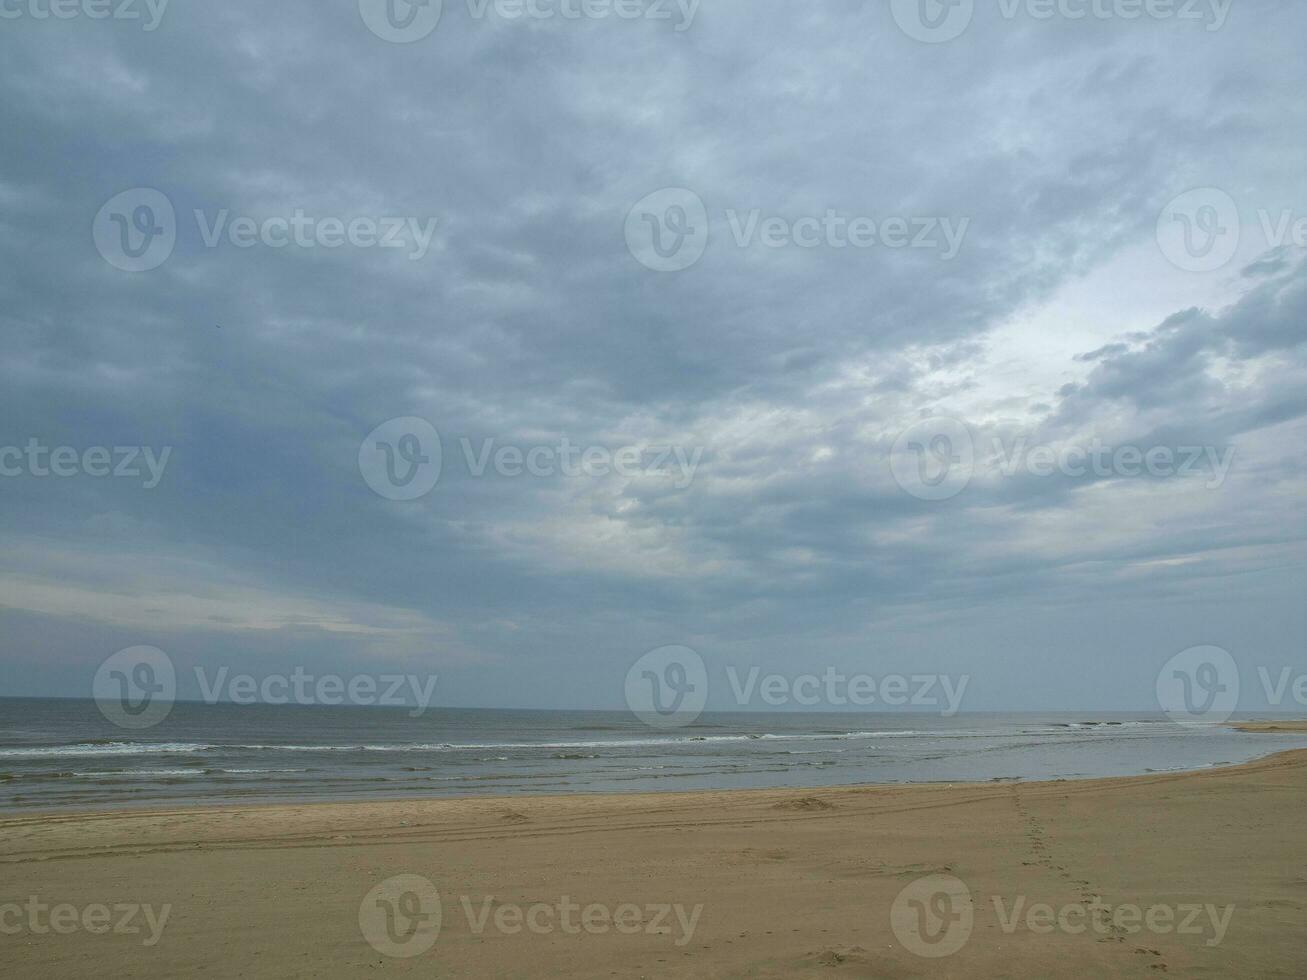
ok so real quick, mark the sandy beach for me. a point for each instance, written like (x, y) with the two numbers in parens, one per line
(1190, 874)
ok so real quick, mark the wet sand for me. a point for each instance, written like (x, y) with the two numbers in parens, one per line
(1270, 726)
(741, 884)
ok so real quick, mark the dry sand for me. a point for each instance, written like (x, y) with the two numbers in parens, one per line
(791, 883)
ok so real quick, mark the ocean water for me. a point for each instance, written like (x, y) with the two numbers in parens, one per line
(63, 753)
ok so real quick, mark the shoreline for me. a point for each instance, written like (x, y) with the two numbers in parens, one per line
(1259, 727)
(8, 817)
(95, 808)
(788, 883)
(14, 816)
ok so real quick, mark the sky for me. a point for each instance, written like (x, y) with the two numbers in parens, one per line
(840, 304)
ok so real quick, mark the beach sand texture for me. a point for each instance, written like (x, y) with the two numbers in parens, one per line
(791, 883)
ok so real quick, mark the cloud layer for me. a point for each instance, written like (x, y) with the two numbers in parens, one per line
(1060, 323)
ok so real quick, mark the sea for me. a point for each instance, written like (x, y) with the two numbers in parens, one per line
(57, 753)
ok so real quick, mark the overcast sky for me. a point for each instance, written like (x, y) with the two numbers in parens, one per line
(1058, 288)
